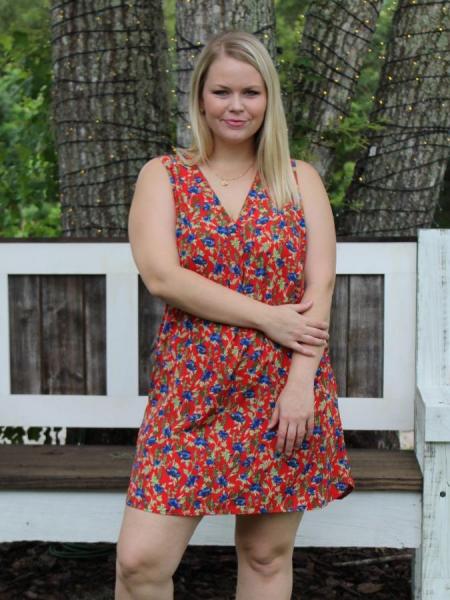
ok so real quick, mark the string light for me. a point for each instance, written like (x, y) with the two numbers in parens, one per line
(344, 75)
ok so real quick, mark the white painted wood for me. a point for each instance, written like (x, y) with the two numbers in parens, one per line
(431, 570)
(434, 406)
(66, 258)
(122, 348)
(419, 428)
(69, 410)
(399, 349)
(375, 257)
(126, 410)
(116, 257)
(432, 563)
(394, 411)
(433, 299)
(393, 519)
(5, 372)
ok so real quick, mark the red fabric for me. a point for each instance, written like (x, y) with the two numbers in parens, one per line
(204, 446)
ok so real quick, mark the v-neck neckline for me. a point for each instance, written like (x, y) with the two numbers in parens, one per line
(219, 202)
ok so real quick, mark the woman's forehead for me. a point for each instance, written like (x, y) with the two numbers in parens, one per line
(229, 71)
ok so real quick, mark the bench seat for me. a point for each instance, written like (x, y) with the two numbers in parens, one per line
(77, 494)
(78, 467)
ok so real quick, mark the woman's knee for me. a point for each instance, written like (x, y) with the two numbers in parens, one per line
(150, 546)
(143, 563)
(265, 557)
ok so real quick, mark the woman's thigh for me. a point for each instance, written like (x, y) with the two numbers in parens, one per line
(267, 534)
(151, 540)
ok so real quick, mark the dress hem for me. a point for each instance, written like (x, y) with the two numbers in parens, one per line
(350, 486)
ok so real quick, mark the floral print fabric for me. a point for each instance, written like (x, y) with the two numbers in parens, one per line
(204, 446)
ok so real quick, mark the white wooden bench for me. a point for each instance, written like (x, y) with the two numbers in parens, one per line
(77, 493)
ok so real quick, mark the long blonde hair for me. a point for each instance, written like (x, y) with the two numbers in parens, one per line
(273, 159)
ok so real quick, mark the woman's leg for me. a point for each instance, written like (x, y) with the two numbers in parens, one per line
(264, 547)
(149, 550)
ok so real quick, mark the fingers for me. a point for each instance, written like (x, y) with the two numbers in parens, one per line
(302, 350)
(320, 333)
(274, 417)
(282, 431)
(309, 339)
(291, 435)
(310, 426)
(304, 305)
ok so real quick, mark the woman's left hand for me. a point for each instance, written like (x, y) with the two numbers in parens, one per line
(294, 410)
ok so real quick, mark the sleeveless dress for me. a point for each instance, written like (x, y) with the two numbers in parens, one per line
(204, 446)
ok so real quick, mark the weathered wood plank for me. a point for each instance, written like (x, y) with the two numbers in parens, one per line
(338, 344)
(62, 347)
(365, 337)
(151, 309)
(94, 293)
(25, 333)
(108, 467)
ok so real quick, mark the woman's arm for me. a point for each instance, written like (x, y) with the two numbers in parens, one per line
(151, 229)
(200, 296)
(320, 266)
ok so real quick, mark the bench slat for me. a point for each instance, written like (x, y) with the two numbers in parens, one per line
(108, 468)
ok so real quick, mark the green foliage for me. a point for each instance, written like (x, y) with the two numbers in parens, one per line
(29, 204)
(20, 435)
(350, 138)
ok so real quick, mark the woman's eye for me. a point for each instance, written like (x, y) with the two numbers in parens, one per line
(252, 92)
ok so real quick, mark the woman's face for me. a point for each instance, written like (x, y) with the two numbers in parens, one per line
(233, 90)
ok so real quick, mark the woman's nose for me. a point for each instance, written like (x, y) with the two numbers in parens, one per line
(236, 102)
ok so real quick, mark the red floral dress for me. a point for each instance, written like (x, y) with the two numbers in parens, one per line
(204, 446)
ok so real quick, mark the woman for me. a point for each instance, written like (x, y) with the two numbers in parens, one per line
(242, 416)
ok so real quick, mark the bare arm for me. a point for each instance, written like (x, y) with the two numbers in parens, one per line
(152, 233)
(151, 227)
(208, 299)
(320, 266)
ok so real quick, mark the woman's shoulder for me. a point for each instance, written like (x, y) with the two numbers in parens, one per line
(304, 168)
(311, 186)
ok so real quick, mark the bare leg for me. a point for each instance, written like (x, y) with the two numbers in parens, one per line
(264, 546)
(149, 550)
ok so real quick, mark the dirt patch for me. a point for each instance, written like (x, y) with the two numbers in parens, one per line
(53, 571)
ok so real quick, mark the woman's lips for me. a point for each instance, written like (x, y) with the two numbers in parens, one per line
(234, 123)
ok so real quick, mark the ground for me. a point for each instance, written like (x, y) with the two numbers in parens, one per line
(54, 571)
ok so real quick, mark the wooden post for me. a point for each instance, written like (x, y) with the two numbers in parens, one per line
(431, 568)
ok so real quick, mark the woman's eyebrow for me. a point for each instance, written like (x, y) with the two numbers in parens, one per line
(249, 87)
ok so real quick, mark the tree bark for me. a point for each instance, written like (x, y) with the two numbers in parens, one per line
(111, 114)
(335, 40)
(196, 22)
(397, 182)
(110, 107)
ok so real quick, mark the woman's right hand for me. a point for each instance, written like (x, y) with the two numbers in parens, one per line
(286, 327)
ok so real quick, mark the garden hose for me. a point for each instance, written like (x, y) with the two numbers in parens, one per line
(80, 550)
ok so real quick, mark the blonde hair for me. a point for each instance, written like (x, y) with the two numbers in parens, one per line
(273, 159)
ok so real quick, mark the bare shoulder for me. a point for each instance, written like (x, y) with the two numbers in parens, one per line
(307, 173)
(152, 194)
(153, 183)
(320, 265)
(153, 167)
(151, 224)
(311, 186)
(305, 167)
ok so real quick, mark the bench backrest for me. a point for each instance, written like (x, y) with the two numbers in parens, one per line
(77, 325)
